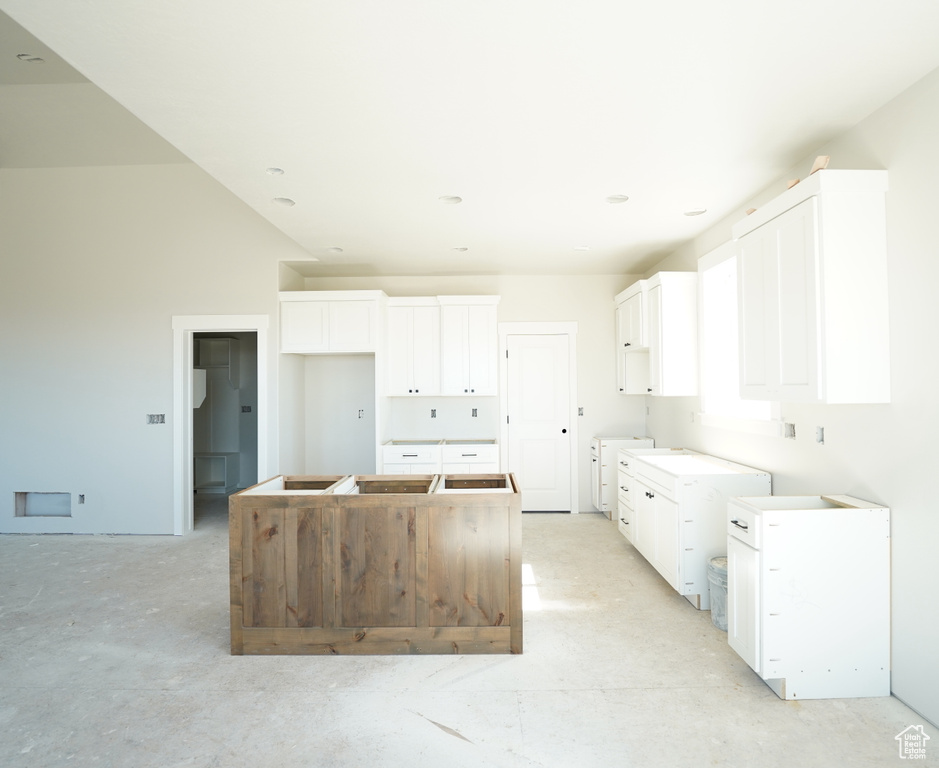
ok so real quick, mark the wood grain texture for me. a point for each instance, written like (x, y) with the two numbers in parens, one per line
(268, 582)
(385, 640)
(378, 557)
(405, 571)
(235, 569)
(309, 568)
(468, 576)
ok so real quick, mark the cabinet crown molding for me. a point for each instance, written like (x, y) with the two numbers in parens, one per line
(330, 295)
(834, 181)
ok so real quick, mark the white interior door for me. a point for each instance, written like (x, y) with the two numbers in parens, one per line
(539, 423)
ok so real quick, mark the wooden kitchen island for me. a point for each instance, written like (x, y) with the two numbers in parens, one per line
(392, 564)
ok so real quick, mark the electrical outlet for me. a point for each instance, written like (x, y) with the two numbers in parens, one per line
(789, 431)
(820, 435)
(156, 418)
(433, 413)
(361, 413)
(474, 413)
(81, 498)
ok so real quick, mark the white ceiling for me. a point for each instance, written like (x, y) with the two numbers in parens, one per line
(532, 111)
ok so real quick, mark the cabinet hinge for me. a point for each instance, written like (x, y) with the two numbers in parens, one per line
(506, 418)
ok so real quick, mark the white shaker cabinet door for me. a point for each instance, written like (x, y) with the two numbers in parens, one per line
(666, 539)
(304, 326)
(353, 326)
(469, 349)
(779, 339)
(743, 601)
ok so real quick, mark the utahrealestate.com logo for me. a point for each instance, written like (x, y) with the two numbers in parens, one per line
(912, 743)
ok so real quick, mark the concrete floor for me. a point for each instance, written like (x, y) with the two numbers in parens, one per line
(114, 652)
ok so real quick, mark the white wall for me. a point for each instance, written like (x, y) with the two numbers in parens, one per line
(336, 388)
(876, 452)
(586, 300)
(95, 263)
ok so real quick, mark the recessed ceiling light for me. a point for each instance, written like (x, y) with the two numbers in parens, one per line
(334, 249)
(581, 247)
(450, 199)
(617, 199)
(29, 58)
(285, 201)
(696, 211)
(276, 171)
(461, 249)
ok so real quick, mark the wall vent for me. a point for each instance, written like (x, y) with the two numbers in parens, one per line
(42, 504)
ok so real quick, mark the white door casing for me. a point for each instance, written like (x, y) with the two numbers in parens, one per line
(183, 328)
(537, 403)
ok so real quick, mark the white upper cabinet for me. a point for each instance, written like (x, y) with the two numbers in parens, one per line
(673, 334)
(632, 360)
(812, 292)
(469, 345)
(630, 317)
(413, 333)
(320, 322)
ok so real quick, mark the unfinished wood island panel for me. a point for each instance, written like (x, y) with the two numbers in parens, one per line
(377, 565)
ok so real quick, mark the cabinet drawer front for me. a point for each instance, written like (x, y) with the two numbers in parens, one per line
(657, 479)
(410, 454)
(625, 520)
(471, 454)
(744, 524)
(624, 488)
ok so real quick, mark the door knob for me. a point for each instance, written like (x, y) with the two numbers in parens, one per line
(563, 431)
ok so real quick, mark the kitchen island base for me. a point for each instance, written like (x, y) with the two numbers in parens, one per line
(416, 564)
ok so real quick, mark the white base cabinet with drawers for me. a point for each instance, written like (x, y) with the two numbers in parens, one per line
(604, 452)
(625, 475)
(679, 512)
(470, 457)
(808, 594)
(432, 457)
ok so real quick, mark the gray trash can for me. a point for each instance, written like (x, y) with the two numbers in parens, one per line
(717, 586)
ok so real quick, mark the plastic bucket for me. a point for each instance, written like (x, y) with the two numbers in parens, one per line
(717, 586)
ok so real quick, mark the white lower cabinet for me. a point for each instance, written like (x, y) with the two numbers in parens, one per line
(743, 600)
(625, 484)
(430, 457)
(680, 513)
(808, 594)
(657, 531)
(470, 458)
(604, 469)
(411, 457)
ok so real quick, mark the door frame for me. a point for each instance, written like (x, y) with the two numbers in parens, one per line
(184, 326)
(540, 329)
